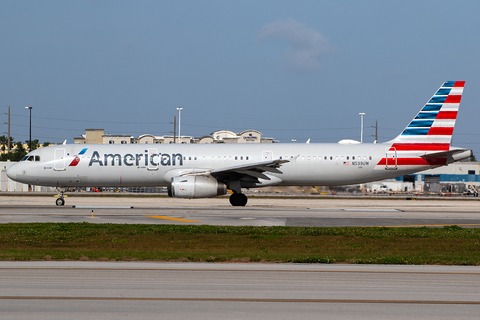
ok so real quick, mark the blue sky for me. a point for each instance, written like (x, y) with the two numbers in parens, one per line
(290, 69)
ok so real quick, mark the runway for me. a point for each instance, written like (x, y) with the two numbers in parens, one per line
(148, 290)
(153, 290)
(259, 212)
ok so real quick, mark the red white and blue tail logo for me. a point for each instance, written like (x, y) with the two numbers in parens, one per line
(432, 128)
(425, 142)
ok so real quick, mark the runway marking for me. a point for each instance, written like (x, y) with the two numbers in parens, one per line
(170, 218)
(243, 300)
(102, 207)
(372, 210)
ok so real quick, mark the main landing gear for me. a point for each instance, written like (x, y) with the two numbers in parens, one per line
(238, 199)
(61, 198)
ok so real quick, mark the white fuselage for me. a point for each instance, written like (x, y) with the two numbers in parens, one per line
(156, 164)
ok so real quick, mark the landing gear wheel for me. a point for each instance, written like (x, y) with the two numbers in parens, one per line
(60, 202)
(238, 200)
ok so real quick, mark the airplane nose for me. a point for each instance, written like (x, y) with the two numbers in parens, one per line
(12, 172)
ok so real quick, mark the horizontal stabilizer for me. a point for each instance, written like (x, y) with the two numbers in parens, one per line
(446, 154)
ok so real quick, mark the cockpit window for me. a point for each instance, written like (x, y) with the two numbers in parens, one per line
(31, 158)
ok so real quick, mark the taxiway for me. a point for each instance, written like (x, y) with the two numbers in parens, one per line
(259, 212)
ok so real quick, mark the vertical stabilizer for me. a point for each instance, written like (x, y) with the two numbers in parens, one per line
(432, 128)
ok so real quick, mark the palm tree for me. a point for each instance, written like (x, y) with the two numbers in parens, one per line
(3, 141)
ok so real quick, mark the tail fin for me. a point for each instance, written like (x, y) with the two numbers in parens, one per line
(432, 128)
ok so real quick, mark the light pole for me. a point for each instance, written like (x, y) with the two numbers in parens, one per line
(30, 108)
(361, 126)
(179, 117)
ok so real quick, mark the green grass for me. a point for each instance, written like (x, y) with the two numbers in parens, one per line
(85, 241)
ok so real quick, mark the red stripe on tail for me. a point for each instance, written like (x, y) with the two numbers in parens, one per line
(452, 115)
(413, 162)
(453, 99)
(440, 131)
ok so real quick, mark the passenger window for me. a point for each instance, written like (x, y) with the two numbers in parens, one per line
(331, 158)
(236, 158)
(241, 157)
(370, 157)
(325, 158)
(246, 158)
(348, 157)
(308, 158)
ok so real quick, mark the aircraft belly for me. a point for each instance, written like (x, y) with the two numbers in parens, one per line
(327, 174)
(100, 177)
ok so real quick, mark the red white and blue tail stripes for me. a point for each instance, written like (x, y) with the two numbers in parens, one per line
(432, 128)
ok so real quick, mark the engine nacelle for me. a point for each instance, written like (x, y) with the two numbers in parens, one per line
(196, 187)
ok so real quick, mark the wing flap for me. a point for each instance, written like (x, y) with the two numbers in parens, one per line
(253, 171)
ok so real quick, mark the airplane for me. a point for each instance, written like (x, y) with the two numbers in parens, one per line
(209, 170)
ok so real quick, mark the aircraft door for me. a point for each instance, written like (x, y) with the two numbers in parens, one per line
(153, 159)
(59, 160)
(390, 159)
(267, 155)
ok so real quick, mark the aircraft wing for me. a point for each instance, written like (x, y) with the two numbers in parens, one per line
(249, 172)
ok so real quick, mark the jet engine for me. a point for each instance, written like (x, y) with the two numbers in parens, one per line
(196, 186)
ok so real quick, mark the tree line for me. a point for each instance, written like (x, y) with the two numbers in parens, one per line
(17, 149)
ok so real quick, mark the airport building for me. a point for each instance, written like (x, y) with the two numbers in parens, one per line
(457, 177)
(98, 136)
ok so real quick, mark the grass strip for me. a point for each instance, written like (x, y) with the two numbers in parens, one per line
(450, 245)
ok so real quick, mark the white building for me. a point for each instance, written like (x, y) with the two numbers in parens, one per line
(98, 136)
